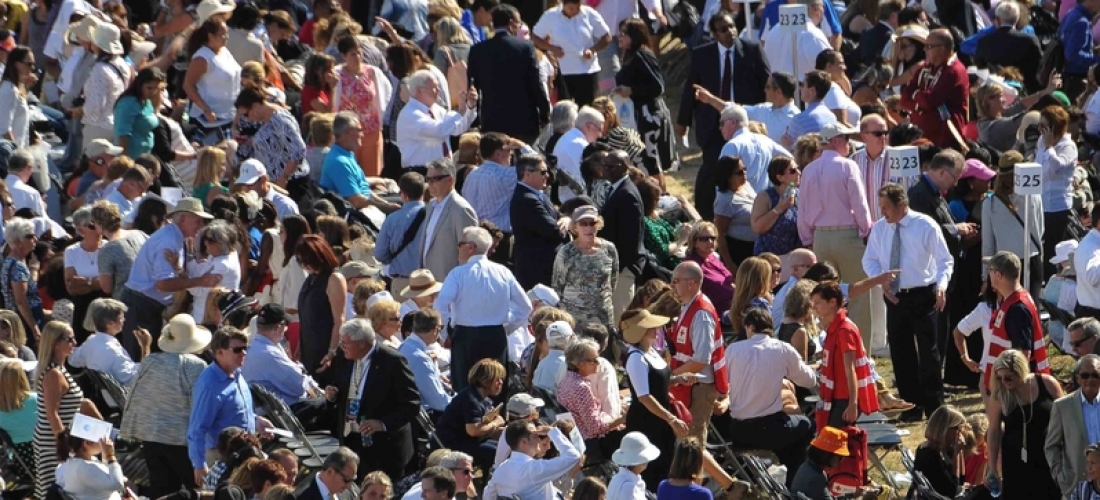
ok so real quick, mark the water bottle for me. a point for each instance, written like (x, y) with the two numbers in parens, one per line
(368, 441)
(792, 192)
(994, 486)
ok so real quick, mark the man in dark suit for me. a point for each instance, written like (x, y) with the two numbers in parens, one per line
(874, 39)
(376, 400)
(1007, 46)
(534, 224)
(505, 71)
(623, 226)
(926, 197)
(712, 67)
(337, 478)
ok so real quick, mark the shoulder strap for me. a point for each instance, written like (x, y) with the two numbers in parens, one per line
(1020, 220)
(410, 233)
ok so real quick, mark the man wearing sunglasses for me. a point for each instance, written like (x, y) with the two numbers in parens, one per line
(535, 222)
(939, 93)
(1083, 333)
(336, 481)
(1074, 424)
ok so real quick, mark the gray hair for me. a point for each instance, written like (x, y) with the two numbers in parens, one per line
(20, 160)
(358, 329)
(528, 163)
(563, 115)
(578, 350)
(481, 238)
(340, 459)
(1087, 359)
(418, 80)
(452, 459)
(736, 114)
(222, 233)
(343, 121)
(83, 216)
(445, 164)
(104, 311)
(1008, 13)
(18, 229)
(1090, 326)
(587, 115)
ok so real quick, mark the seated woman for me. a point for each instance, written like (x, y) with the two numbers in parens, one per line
(939, 457)
(575, 393)
(18, 409)
(470, 423)
(84, 476)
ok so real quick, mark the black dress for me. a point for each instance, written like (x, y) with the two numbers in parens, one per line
(964, 296)
(642, 73)
(659, 432)
(1031, 479)
(315, 317)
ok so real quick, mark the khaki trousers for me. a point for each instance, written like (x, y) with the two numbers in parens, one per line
(839, 247)
(703, 397)
(623, 293)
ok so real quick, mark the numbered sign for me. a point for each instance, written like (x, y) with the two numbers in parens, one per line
(903, 161)
(1029, 178)
(792, 18)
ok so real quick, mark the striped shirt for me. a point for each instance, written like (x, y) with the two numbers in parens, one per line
(875, 174)
(489, 190)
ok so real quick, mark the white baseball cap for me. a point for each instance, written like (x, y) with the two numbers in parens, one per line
(558, 332)
(251, 171)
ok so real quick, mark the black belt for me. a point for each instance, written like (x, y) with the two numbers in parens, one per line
(915, 289)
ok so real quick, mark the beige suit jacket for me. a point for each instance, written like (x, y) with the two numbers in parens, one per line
(439, 245)
(1066, 442)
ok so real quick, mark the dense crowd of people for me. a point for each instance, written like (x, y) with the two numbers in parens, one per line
(441, 234)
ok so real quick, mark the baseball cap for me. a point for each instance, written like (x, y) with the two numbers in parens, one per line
(544, 294)
(271, 315)
(975, 168)
(834, 130)
(558, 331)
(101, 147)
(359, 269)
(251, 171)
(523, 404)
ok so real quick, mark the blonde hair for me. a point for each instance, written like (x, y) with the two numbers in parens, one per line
(14, 387)
(15, 325)
(242, 475)
(698, 229)
(449, 31)
(253, 70)
(363, 292)
(806, 147)
(753, 280)
(469, 149)
(381, 311)
(211, 160)
(979, 425)
(279, 492)
(51, 335)
(941, 422)
(320, 128)
(118, 167)
(380, 478)
(1015, 362)
(797, 303)
(607, 108)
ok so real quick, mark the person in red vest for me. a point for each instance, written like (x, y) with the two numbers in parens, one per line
(846, 388)
(696, 338)
(1015, 324)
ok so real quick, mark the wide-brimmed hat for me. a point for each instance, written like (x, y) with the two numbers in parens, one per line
(82, 30)
(635, 449)
(915, 32)
(192, 205)
(421, 283)
(140, 50)
(1063, 251)
(635, 327)
(210, 8)
(182, 336)
(108, 38)
(832, 440)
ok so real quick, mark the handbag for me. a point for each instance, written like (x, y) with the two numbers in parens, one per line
(458, 80)
(680, 409)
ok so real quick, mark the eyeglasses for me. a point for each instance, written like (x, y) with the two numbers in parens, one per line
(706, 239)
(776, 270)
(90, 225)
(347, 480)
(461, 243)
(1006, 378)
(67, 338)
(586, 223)
(393, 318)
(436, 178)
(1077, 343)
(793, 170)
(591, 360)
(239, 349)
(1088, 375)
(468, 472)
(543, 172)
(878, 133)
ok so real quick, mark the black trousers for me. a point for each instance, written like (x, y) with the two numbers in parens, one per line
(788, 436)
(580, 88)
(141, 312)
(704, 180)
(169, 468)
(911, 330)
(470, 344)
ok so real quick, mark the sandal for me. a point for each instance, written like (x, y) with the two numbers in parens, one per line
(737, 491)
(889, 403)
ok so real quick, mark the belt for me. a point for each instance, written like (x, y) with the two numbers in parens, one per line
(916, 289)
(835, 228)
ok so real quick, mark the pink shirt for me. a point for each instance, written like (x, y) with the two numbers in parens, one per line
(576, 395)
(831, 195)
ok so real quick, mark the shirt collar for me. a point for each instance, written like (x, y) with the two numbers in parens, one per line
(444, 200)
(475, 259)
(416, 342)
(1086, 402)
(619, 183)
(325, 494)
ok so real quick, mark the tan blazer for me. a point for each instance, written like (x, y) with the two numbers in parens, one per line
(440, 254)
(1066, 442)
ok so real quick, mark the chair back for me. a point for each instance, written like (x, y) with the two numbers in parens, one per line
(109, 395)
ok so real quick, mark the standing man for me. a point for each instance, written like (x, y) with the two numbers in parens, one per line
(478, 17)
(481, 301)
(1086, 260)
(489, 187)
(1074, 425)
(911, 242)
(872, 42)
(1075, 32)
(926, 196)
(779, 109)
(1015, 323)
(755, 150)
(569, 150)
(816, 116)
(938, 93)
(624, 226)
(505, 68)
(448, 214)
(875, 173)
(1008, 46)
(833, 218)
(811, 42)
(397, 244)
(731, 54)
(538, 232)
(424, 128)
(697, 337)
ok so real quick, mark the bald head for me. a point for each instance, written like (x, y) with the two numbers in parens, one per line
(688, 271)
(940, 35)
(800, 261)
(939, 47)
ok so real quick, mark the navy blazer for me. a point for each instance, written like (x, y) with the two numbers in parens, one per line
(750, 73)
(623, 225)
(926, 199)
(537, 237)
(505, 71)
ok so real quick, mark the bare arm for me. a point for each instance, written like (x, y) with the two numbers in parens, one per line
(106, 283)
(337, 291)
(195, 70)
(801, 343)
(723, 224)
(53, 386)
(993, 435)
(23, 305)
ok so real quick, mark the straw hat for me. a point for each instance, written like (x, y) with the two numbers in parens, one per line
(108, 38)
(635, 327)
(211, 8)
(421, 283)
(182, 336)
(635, 449)
(82, 30)
(832, 440)
(192, 205)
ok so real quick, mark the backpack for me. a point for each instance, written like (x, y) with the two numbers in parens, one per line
(1054, 59)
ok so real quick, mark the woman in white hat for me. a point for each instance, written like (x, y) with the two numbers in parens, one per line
(633, 456)
(106, 82)
(164, 387)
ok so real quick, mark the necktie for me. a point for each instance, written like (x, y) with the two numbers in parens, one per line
(443, 144)
(895, 258)
(727, 78)
(354, 397)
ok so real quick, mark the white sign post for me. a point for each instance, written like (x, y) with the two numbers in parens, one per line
(903, 161)
(1029, 181)
(746, 7)
(792, 19)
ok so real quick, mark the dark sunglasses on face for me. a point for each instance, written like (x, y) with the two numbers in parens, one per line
(1088, 375)
(347, 480)
(239, 349)
(436, 178)
(586, 223)
(67, 338)
(707, 239)
(878, 133)
(1077, 343)
(468, 472)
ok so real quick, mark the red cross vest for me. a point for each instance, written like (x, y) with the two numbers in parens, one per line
(681, 341)
(1001, 342)
(831, 365)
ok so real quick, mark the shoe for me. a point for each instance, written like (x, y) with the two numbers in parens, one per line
(888, 403)
(914, 415)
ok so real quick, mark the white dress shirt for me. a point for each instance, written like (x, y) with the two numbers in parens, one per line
(24, 196)
(103, 353)
(756, 152)
(527, 478)
(778, 49)
(626, 485)
(925, 259)
(775, 119)
(605, 386)
(836, 100)
(482, 293)
(757, 367)
(1086, 260)
(422, 134)
(568, 150)
(574, 35)
(978, 319)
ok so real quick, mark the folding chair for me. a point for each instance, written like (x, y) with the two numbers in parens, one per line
(279, 413)
(921, 486)
(109, 395)
(882, 438)
(11, 456)
(745, 465)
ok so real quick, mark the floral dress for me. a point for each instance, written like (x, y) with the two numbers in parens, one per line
(783, 237)
(585, 282)
(358, 94)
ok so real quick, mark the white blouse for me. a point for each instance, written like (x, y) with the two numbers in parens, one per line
(91, 480)
(220, 85)
(14, 114)
(228, 266)
(106, 82)
(84, 262)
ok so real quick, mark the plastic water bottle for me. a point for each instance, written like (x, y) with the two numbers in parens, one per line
(368, 441)
(994, 486)
(792, 191)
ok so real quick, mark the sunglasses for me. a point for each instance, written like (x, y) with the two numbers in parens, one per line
(707, 239)
(1077, 343)
(347, 480)
(586, 223)
(67, 338)
(543, 172)
(467, 472)
(878, 133)
(792, 170)
(239, 349)
(1089, 375)
(1006, 378)
(436, 178)
(776, 270)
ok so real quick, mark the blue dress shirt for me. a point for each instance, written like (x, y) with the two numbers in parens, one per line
(268, 366)
(477, 34)
(471, 287)
(219, 401)
(756, 152)
(432, 394)
(150, 267)
(811, 120)
(1076, 35)
(489, 190)
(341, 173)
(389, 241)
(1091, 412)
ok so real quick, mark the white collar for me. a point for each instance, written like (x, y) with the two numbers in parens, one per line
(439, 203)
(325, 493)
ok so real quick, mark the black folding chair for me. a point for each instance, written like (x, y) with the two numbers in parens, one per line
(921, 487)
(745, 465)
(108, 395)
(23, 473)
(319, 444)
